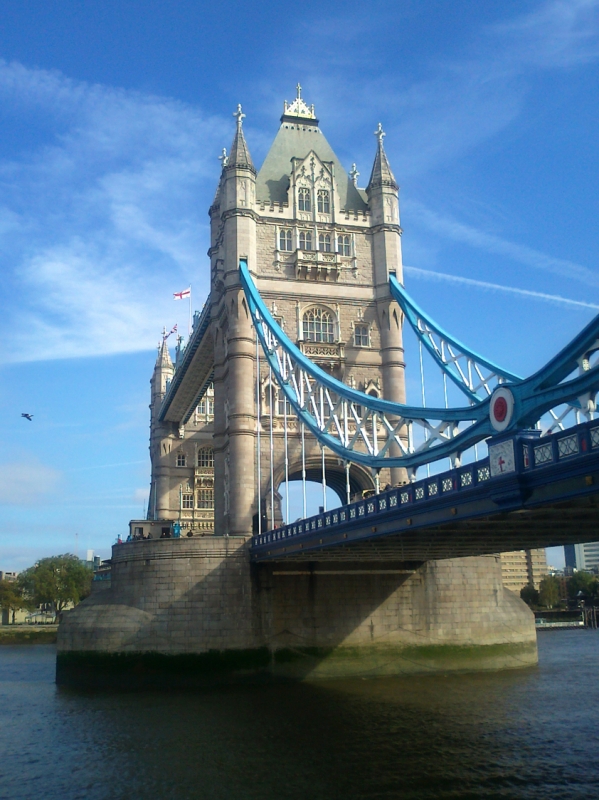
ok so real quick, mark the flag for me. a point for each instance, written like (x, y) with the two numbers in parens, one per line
(166, 335)
(181, 295)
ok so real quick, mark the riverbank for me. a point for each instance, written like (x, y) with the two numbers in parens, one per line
(28, 634)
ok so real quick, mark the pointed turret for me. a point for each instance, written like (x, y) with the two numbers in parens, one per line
(164, 357)
(163, 372)
(381, 175)
(239, 156)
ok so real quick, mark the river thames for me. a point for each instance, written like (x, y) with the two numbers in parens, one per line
(516, 734)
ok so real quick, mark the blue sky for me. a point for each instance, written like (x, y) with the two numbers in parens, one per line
(113, 116)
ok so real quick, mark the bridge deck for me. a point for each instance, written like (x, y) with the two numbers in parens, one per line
(547, 494)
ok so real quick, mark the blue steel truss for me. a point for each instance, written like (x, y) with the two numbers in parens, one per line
(474, 375)
(379, 433)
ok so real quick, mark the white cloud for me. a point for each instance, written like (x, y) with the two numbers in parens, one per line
(101, 222)
(459, 232)
(27, 482)
(431, 275)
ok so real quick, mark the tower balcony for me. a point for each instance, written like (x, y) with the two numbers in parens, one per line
(317, 265)
(328, 355)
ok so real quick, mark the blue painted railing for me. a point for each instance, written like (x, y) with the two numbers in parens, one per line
(532, 453)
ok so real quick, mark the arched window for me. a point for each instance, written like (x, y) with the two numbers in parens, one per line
(304, 203)
(324, 204)
(344, 245)
(206, 457)
(285, 240)
(305, 240)
(181, 460)
(318, 325)
(324, 242)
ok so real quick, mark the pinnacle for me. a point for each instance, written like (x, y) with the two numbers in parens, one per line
(164, 357)
(381, 174)
(239, 155)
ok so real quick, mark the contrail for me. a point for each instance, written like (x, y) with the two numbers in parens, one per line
(428, 274)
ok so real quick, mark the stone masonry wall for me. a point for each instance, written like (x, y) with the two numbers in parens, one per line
(201, 595)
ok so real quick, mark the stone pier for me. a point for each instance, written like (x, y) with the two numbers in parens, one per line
(194, 612)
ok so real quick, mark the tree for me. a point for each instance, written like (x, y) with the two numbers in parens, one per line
(583, 582)
(57, 581)
(11, 597)
(549, 591)
(530, 595)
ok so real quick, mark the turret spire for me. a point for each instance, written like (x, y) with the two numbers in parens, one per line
(239, 155)
(164, 357)
(381, 174)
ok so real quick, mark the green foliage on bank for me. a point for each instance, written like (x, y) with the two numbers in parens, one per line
(56, 582)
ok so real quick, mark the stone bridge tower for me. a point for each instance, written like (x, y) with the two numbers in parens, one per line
(320, 250)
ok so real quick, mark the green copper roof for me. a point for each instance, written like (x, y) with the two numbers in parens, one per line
(296, 141)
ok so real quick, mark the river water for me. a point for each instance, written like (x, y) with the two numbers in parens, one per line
(517, 734)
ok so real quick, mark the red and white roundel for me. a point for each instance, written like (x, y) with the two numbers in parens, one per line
(501, 408)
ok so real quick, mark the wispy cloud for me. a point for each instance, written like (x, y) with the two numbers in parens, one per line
(27, 482)
(431, 275)
(100, 222)
(489, 242)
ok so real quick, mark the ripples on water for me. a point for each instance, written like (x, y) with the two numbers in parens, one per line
(520, 734)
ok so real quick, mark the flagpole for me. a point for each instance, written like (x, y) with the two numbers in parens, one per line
(189, 324)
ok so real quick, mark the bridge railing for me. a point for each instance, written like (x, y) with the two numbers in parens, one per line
(531, 453)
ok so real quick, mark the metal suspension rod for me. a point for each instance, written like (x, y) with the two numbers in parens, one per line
(428, 468)
(305, 514)
(324, 483)
(258, 424)
(347, 483)
(285, 437)
(272, 450)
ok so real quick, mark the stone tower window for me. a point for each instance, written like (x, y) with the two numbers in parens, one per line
(318, 325)
(181, 460)
(206, 457)
(206, 498)
(324, 203)
(304, 203)
(285, 240)
(344, 246)
(187, 501)
(361, 338)
(305, 240)
(324, 243)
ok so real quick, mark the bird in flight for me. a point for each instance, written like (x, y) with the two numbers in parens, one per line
(28, 416)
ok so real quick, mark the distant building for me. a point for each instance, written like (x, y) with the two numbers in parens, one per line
(520, 568)
(582, 556)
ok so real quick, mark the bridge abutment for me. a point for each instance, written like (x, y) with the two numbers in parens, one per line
(194, 612)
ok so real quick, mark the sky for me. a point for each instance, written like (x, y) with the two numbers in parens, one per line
(113, 116)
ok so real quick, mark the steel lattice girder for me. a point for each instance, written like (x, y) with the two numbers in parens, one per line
(314, 395)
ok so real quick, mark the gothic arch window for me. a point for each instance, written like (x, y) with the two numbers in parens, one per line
(344, 245)
(181, 460)
(206, 457)
(324, 242)
(305, 240)
(285, 240)
(303, 197)
(323, 200)
(318, 325)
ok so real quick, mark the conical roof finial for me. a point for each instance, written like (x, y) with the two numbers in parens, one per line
(164, 357)
(381, 171)
(239, 155)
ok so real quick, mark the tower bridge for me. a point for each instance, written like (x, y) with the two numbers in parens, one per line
(295, 370)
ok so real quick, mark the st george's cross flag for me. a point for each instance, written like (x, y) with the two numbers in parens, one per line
(181, 295)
